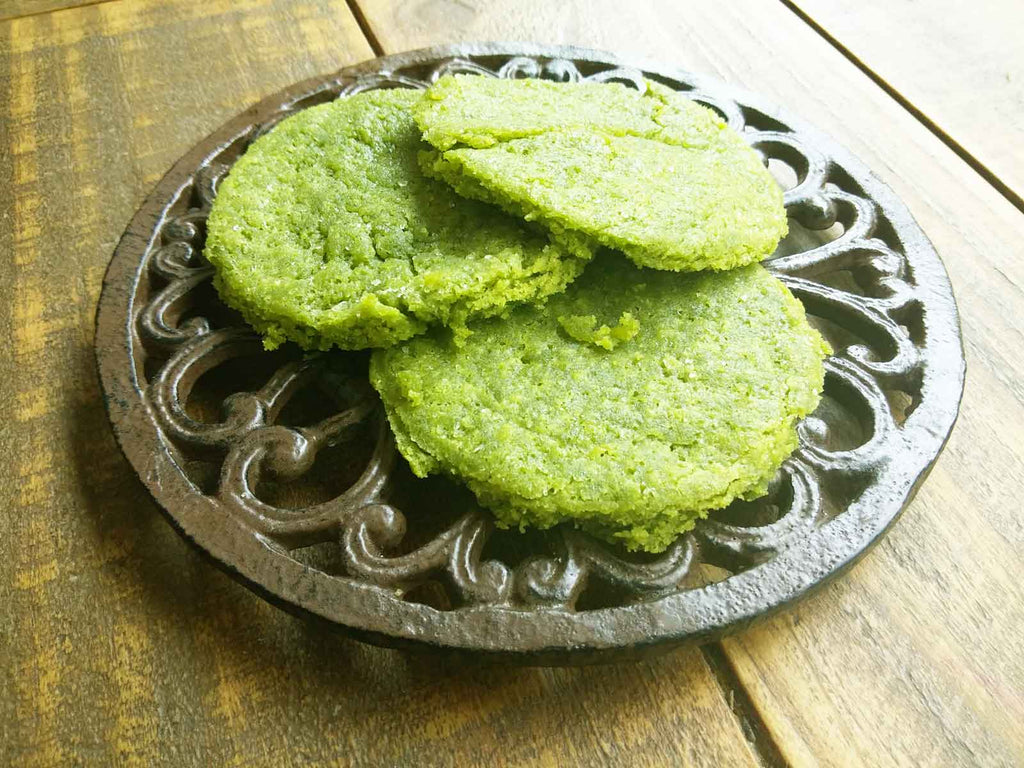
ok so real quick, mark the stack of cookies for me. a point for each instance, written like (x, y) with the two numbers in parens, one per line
(560, 282)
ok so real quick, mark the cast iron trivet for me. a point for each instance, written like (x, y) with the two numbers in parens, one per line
(283, 470)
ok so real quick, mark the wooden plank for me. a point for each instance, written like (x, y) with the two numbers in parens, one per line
(119, 645)
(962, 67)
(12, 9)
(915, 657)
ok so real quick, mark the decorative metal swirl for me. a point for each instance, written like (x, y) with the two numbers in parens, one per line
(859, 282)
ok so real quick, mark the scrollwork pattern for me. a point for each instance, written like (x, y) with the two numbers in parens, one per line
(184, 341)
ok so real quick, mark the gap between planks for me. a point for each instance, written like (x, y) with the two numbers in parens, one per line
(979, 167)
(763, 745)
(364, 26)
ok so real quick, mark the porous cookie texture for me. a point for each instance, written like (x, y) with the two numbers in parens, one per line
(652, 173)
(631, 405)
(326, 233)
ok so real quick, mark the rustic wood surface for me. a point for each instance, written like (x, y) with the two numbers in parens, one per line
(962, 68)
(122, 647)
(10, 9)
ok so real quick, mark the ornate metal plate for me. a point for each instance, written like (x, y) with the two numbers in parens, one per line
(283, 470)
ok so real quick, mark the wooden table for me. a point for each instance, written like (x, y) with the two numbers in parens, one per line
(120, 646)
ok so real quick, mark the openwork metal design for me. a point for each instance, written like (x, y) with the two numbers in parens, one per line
(283, 468)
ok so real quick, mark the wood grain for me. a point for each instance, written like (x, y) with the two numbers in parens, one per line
(12, 9)
(120, 646)
(963, 67)
(915, 657)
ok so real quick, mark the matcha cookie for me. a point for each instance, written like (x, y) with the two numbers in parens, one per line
(326, 233)
(653, 174)
(632, 404)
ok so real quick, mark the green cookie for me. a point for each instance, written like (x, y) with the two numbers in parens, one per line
(326, 233)
(652, 174)
(631, 405)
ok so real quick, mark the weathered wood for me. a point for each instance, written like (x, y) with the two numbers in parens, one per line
(961, 64)
(12, 9)
(120, 645)
(915, 657)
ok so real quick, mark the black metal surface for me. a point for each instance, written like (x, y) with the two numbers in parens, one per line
(283, 470)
